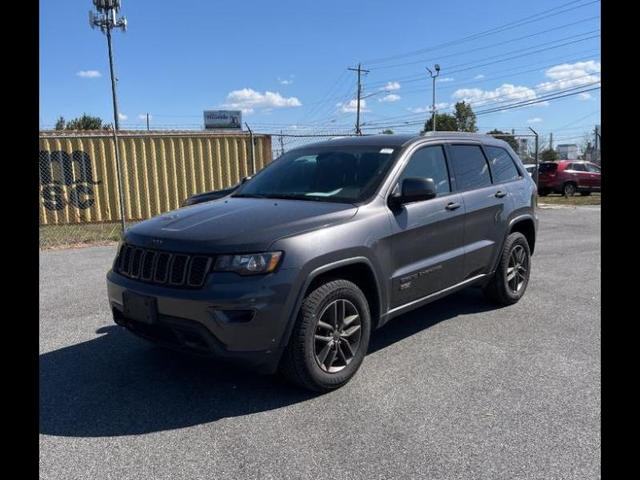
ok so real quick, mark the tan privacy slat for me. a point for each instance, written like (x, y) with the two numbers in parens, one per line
(159, 170)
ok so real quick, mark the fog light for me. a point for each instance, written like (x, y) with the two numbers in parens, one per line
(234, 316)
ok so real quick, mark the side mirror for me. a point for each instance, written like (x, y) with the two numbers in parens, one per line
(413, 190)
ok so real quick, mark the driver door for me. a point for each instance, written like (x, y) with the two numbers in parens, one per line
(427, 236)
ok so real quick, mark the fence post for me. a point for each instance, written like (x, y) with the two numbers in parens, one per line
(253, 154)
(537, 161)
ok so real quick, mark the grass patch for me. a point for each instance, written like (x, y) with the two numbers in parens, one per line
(68, 236)
(555, 199)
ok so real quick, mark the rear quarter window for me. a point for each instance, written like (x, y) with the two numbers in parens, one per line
(503, 168)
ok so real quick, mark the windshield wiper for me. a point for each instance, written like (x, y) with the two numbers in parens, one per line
(250, 195)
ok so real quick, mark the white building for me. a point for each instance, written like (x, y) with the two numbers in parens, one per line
(568, 151)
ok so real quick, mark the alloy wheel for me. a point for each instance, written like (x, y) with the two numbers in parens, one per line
(337, 335)
(517, 269)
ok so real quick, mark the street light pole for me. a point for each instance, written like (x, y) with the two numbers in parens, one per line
(433, 104)
(106, 20)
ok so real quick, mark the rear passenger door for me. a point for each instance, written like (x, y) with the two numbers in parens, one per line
(486, 207)
(579, 173)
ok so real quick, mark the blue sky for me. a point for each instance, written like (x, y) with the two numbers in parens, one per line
(285, 62)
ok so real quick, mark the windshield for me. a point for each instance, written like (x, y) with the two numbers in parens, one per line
(548, 167)
(330, 174)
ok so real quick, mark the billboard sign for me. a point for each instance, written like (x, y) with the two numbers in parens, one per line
(223, 119)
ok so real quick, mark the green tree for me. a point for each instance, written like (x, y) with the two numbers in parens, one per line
(549, 155)
(507, 137)
(445, 122)
(465, 118)
(60, 123)
(387, 131)
(85, 122)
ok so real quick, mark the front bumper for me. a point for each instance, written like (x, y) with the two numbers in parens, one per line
(233, 317)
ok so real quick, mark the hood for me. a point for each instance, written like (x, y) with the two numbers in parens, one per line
(235, 224)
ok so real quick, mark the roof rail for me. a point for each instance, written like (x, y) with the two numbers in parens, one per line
(454, 134)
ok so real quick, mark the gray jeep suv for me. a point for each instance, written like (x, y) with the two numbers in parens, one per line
(295, 268)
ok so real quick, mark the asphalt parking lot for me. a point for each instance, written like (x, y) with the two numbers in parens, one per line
(455, 390)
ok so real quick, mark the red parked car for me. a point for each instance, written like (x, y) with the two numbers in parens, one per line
(568, 177)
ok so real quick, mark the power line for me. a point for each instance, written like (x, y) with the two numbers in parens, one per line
(485, 47)
(556, 95)
(518, 53)
(508, 97)
(508, 26)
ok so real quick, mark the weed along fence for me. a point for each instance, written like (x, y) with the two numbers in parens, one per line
(79, 182)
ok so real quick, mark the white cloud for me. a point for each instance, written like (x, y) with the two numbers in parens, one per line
(143, 116)
(439, 107)
(352, 106)
(446, 79)
(561, 76)
(569, 75)
(285, 81)
(585, 96)
(248, 100)
(534, 120)
(392, 97)
(89, 74)
(504, 92)
(391, 86)
(122, 116)
(480, 76)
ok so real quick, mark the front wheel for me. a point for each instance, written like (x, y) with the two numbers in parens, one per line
(330, 338)
(511, 278)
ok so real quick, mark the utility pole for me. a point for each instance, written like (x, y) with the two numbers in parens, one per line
(360, 71)
(433, 103)
(106, 20)
(147, 122)
(597, 142)
(551, 141)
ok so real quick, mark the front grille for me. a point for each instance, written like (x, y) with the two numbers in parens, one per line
(163, 268)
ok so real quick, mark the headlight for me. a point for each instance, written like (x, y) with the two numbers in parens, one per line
(249, 263)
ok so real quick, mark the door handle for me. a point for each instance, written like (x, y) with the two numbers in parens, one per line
(500, 194)
(452, 206)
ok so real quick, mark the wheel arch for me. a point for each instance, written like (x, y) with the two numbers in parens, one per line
(358, 270)
(525, 225)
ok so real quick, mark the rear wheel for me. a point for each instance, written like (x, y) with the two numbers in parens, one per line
(569, 189)
(330, 338)
(511, 278)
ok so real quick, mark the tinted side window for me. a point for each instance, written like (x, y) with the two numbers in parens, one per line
(429, 162)
(470, 168)
(579, 167)
(502, 167)
(593, 168)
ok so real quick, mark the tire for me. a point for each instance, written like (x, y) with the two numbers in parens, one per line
(585, 194)
(569, 189)
(500, 288)
(302, 361)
